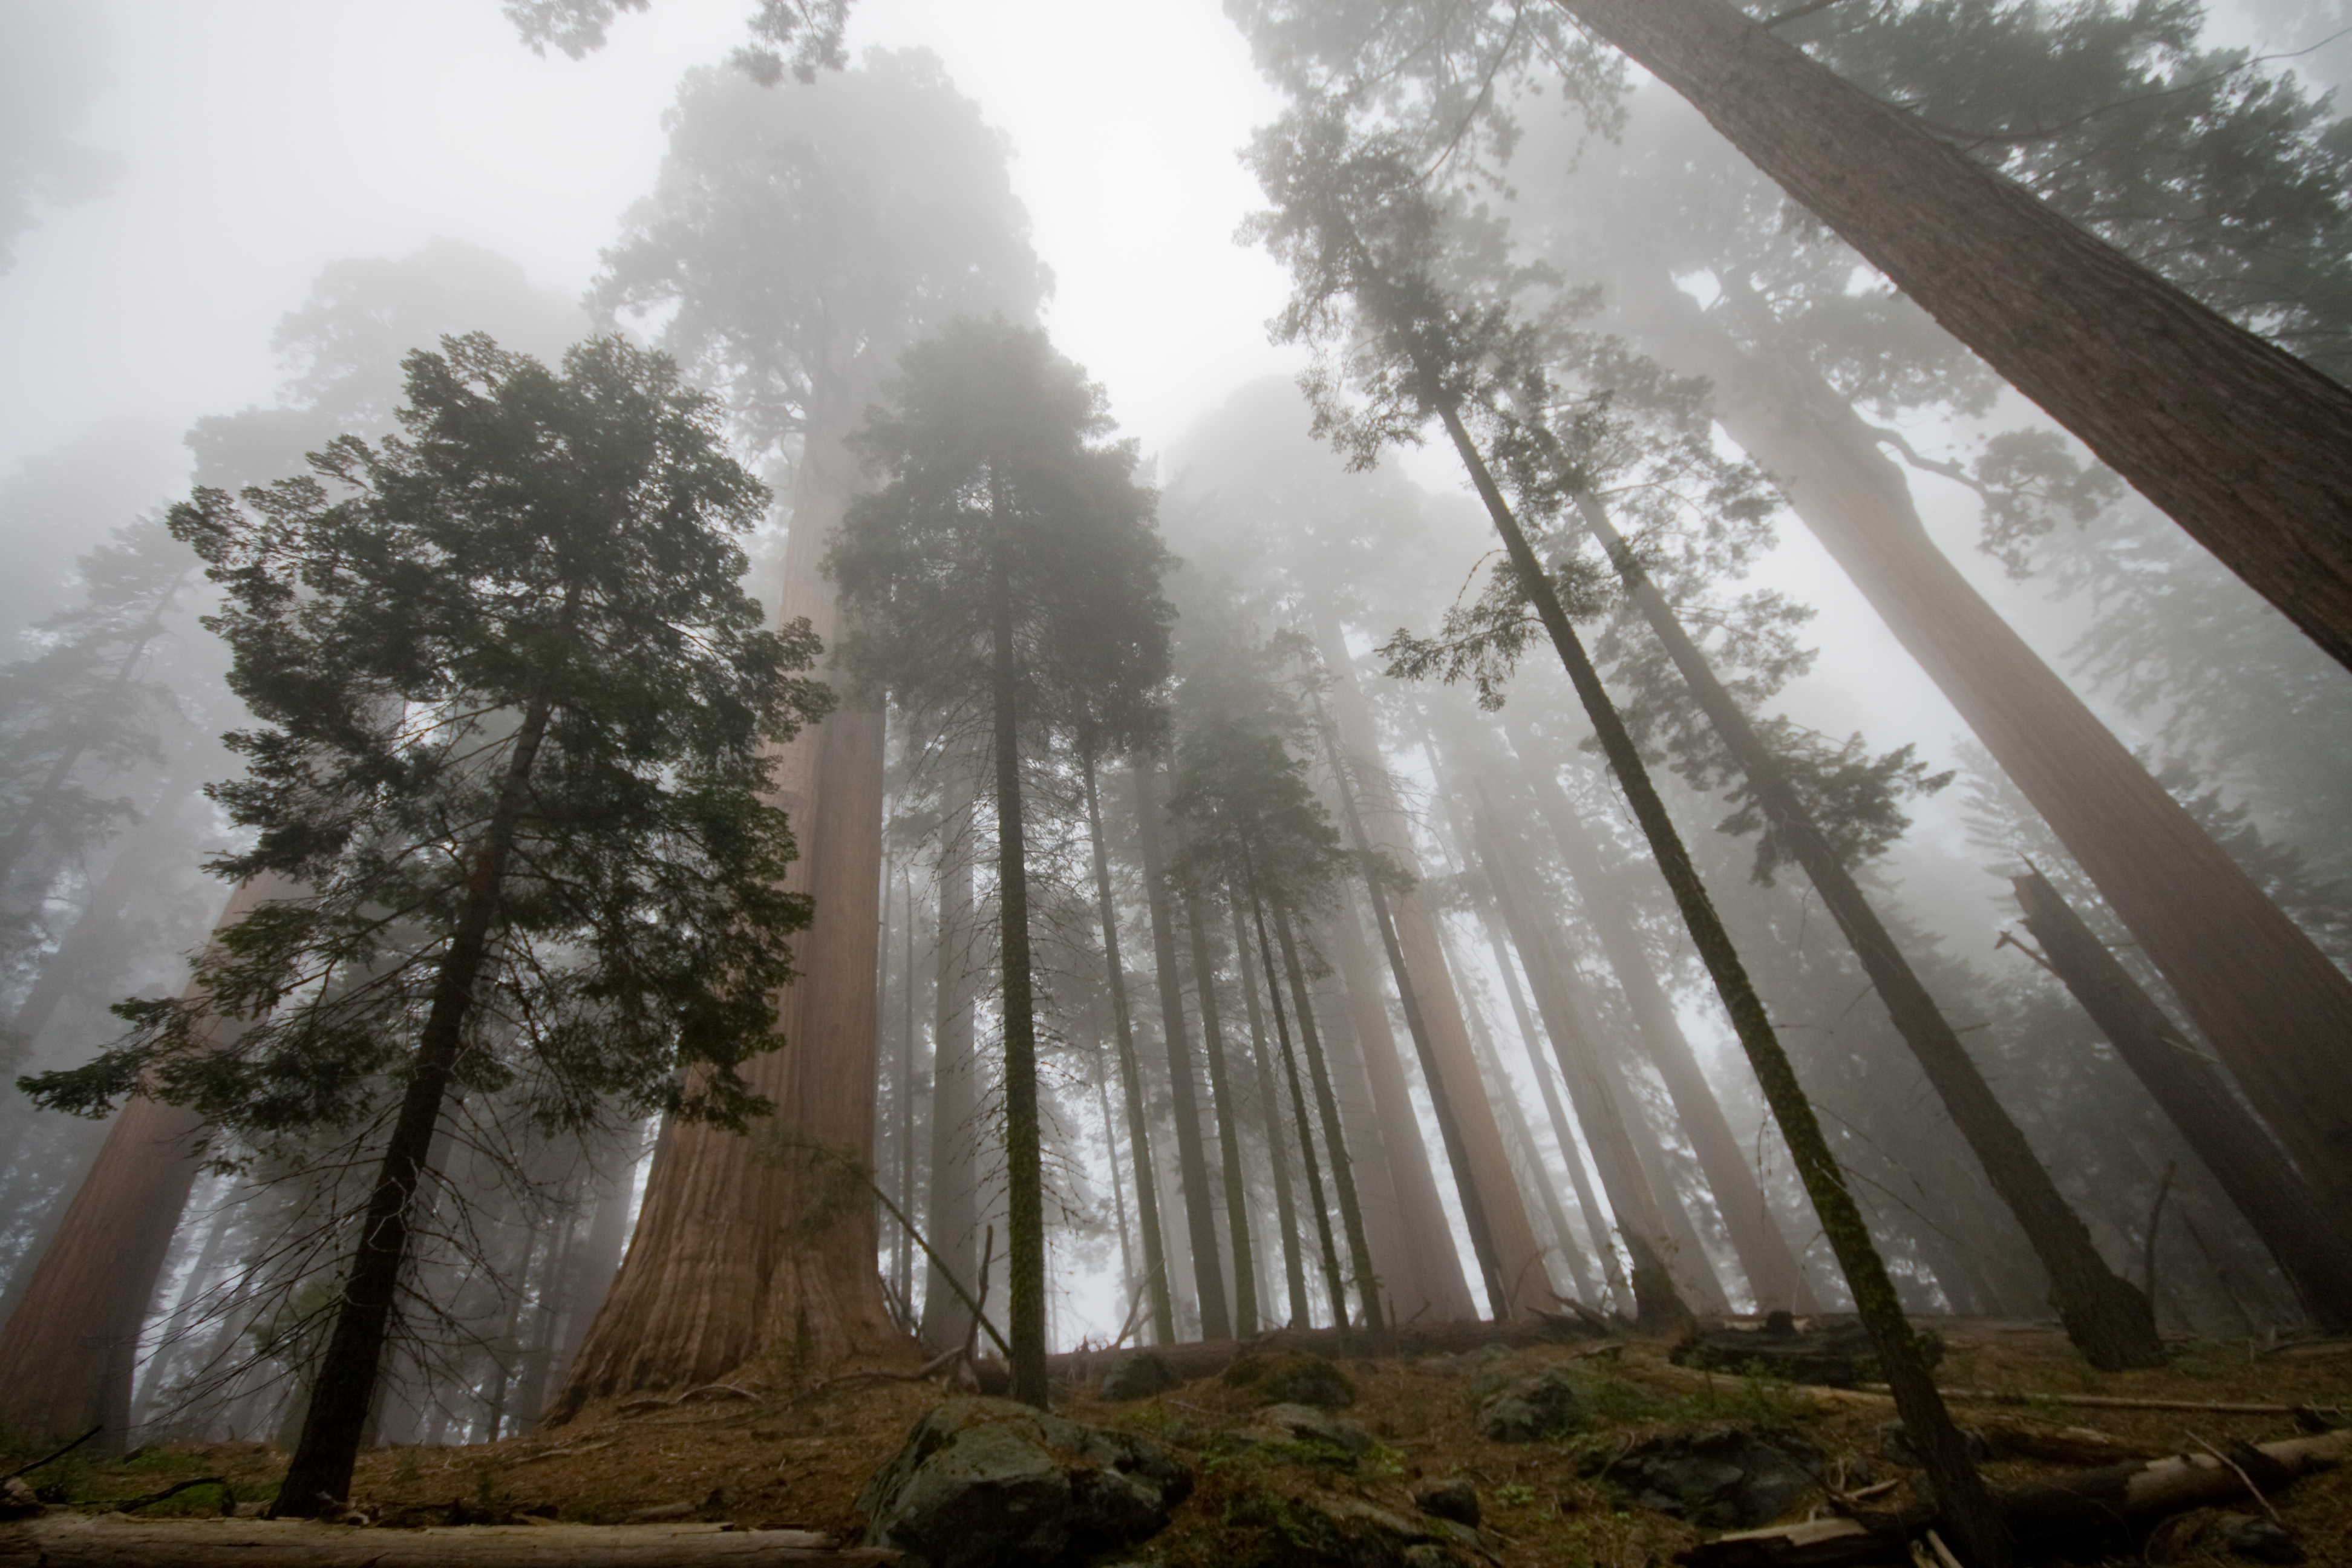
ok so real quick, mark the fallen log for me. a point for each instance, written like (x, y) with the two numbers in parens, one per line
(2085, 1507)
(1188, 1363)
(113, 1541)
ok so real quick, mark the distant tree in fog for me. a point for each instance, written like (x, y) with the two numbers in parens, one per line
(52, 64)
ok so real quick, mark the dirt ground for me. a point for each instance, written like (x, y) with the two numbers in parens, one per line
(764, 1454)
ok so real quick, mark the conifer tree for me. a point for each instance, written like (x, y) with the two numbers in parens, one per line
(1009, 566)
(513, 710)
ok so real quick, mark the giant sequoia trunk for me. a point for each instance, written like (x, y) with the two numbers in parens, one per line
(743, 1243)
(2245, 446)
(2315, 1251)
(2109, 1321)
(68, 1348)
(2267, 999)
(1518, 1256)
(1200, 1205)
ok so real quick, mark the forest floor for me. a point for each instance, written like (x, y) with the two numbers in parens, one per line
(766, 1454)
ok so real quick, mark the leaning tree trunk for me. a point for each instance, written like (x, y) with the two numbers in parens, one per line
(1420, 1267)
(1333, 1286)
(1192, 1165)
(2248, 448)
(1764, 1253)
(742, 1243)
(2314, 1251)
(68, 1348)
(1130, 1081)
(1518, 1257)
(1958, 1486)
(2108, 1320)
(2268, 1000)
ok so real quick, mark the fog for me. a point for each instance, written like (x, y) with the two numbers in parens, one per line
(227, 223)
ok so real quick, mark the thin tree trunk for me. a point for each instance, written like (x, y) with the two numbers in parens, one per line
(1294, 1271)
(2108, 1320)
(730, 1255)
(67, 1350)
(1657, 1306)
(1199, 1207)
(320, 1476)
(2315, 1253)
(1024, 1170)
(954, 1208)
(1333, 1287)
(1222, 1103)
(1117, 1192)
(2245, 446)
(1130, 1081)
(2253, 984)
(1764, 1252)
(1368, 1155)
(1515, 1120)
(1960, 1488)
(1326, 1105)
(1425, 1280)
(903, 1262)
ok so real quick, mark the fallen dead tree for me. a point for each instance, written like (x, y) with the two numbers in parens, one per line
(1186, 1363)
(2085, 1506)
(112, 1541)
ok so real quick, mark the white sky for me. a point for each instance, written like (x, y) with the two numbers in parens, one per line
(265, 138)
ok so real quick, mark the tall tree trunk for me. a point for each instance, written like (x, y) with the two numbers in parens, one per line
(1130, 1081)
(1960, 1488)
(2245, 446)
(1118, 1195)
(1513, 1238)
(1333, 1287)
(1222, 1105)
(952, 1213)
(2108, 1320)
(1335, 1141)
(1024, 1168)
(68, 1348)
(319, 1475)
(736, 1249)
(1764, 1252)
(903, 1259)
(1360, 1127)
(1423, 1272)
(2257, 988)
(1277, 1147)
(1199, 1207)
(2314, 1251)
(1596, 1221)
(1469, 1184)
(1657, 1306)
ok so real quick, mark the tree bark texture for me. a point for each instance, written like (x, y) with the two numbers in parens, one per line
(2247, 448)
(1421, 1267)
(2314, 1251)
(1518, 1257)
(2108, 1320)
(2268, 1000)
(1130, 1082)
(68, 1348)
(1200, 1205)
(1765, 1256)
(723, 1264)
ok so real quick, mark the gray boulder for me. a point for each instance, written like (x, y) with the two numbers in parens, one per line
(1304, 1424)
(1723, 1475)
(1139, 1374)
(1526, 1407)
(986, 1481)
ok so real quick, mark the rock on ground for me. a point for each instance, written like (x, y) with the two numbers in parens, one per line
(987, 1482)
(1292, 1377)
(1526, 1408)
(1721, 1475)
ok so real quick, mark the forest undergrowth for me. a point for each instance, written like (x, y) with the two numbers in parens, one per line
(766, 1448)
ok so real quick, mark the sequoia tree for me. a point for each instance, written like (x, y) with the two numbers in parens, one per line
(512, 689)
